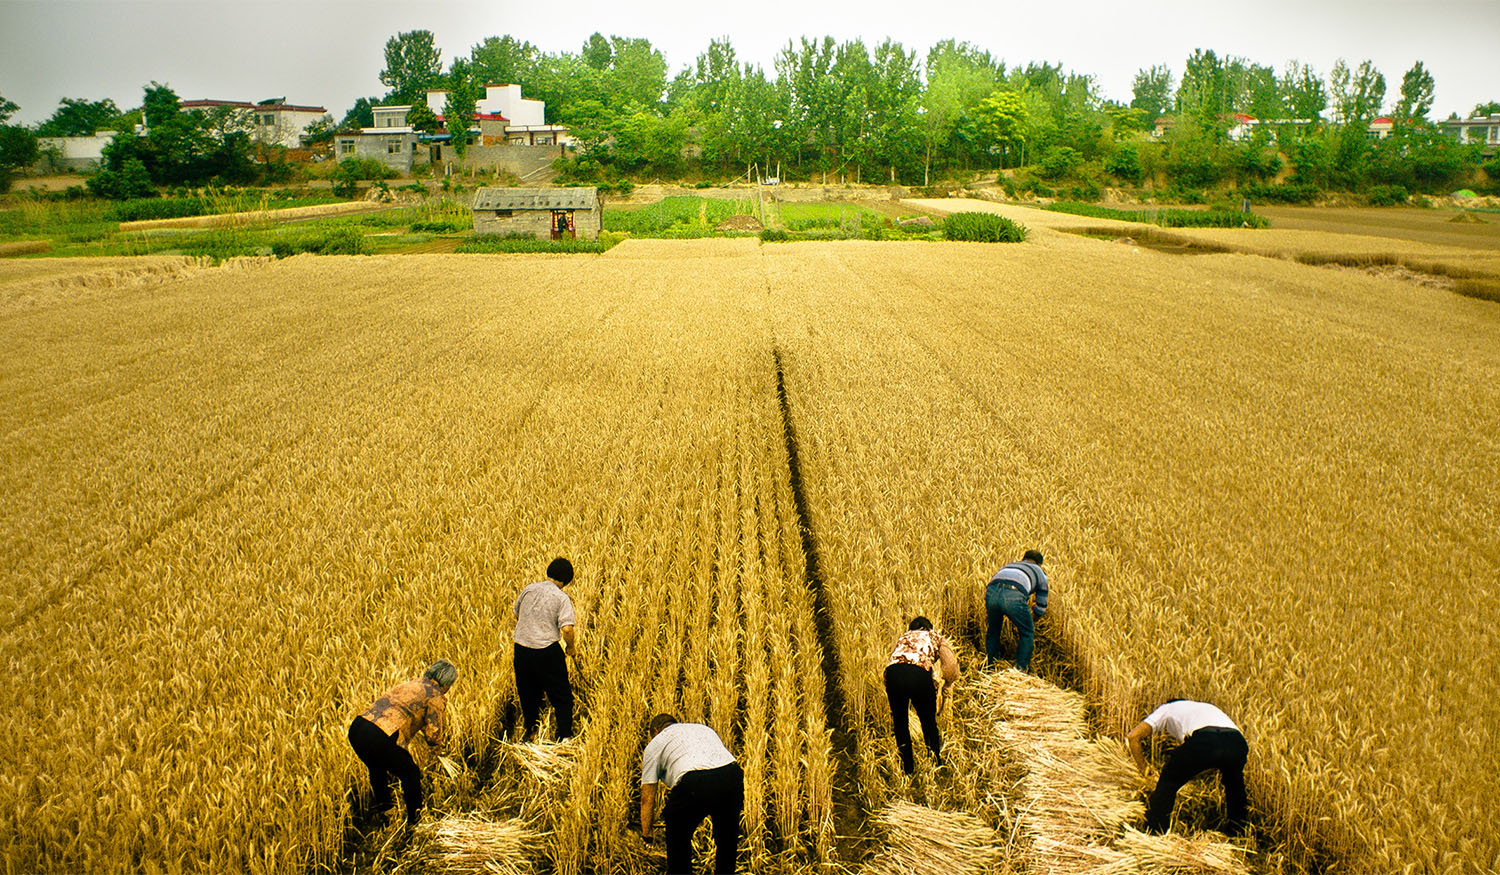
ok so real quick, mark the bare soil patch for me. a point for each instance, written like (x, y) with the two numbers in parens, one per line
(1435, 226)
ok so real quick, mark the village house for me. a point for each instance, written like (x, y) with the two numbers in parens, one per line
(515, 120)
(390, 140)
(510, 133)
(274, 122)
(543, 213)
(1483, 130)
(73, 154)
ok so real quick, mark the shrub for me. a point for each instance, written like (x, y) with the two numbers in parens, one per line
(1166, 218)
(138, 209)
(622, 187)
(1291, 193)
(982, 228)
(334, 241)
(1043, 191)
(351, 170)
(1125, 164)
(490, 243)
(774, 235)
(450, 225)
(130, 181)
(1387, 196)
(1088, 190)
(1057, 161)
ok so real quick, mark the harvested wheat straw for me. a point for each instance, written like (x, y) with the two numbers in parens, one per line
(931, 842)
(471, 844)
(1080, 792)
(547, 764)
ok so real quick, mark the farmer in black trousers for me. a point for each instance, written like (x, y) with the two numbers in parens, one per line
(544, 622)
(381, 734)
(705, 780)
(1208, 740)
(909, 682)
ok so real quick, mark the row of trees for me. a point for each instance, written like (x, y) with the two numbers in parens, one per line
(883, 112)
(852, 110)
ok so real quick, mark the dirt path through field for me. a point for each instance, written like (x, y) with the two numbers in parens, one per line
(290, 214)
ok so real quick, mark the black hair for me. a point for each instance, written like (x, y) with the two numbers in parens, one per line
(560, 570)
(919, 622)
(1033, 556)
(660, 722)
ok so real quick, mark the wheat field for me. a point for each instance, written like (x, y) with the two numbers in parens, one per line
(243, 500)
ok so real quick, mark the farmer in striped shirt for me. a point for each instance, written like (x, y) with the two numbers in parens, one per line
(1008, 597)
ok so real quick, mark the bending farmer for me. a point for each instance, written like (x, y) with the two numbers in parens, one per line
(380, 735)
(909, 680)
(1209, 740)
(705, 782)
(1008, 597)
(544, 617)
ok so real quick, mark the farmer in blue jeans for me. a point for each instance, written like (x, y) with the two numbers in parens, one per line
(1009, 597)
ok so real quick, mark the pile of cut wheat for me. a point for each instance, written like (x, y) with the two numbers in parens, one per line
(471, 844)
(925, 841)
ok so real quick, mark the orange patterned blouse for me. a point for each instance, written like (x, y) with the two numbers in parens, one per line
(408, 707)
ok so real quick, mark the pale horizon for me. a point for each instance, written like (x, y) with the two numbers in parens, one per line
(330, 53)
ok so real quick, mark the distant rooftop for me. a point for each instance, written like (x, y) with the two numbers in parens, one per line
(536, 199)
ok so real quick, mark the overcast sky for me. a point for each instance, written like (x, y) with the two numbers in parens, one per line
(330, 52)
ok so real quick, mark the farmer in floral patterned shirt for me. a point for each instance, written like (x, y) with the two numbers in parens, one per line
(910, 681)
(380, 735)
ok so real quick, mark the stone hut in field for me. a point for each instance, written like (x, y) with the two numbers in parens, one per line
(543, 213)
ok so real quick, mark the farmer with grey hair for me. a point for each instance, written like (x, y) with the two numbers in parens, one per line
(381, 734)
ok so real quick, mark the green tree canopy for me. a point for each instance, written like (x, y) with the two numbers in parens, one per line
(1203, 97)
(503, 60)
(1152, 91)
(1416, 96)
(413, 64)
(361, 114)
(422, 118)
(1004, 118)
(1302, 92)
(78, 117)
(160, 105)
(1357, 94)
(959, 75)
(464, 91)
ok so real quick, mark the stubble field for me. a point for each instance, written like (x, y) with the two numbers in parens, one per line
(241, 501)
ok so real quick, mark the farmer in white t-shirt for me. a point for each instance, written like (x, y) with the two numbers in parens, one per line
(1208, 739)
(544, 624)
(705, 781)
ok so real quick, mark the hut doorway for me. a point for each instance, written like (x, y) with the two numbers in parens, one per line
(562, 224)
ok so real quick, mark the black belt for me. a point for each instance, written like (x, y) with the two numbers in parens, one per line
(1012, 585)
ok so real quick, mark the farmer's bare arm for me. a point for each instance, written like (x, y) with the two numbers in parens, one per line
(648, 808)
(1135, 743)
